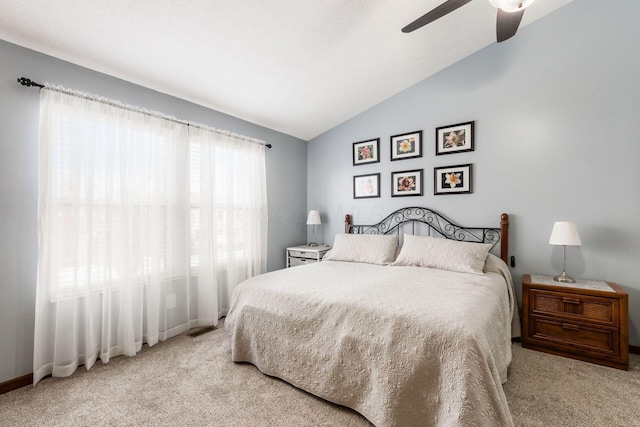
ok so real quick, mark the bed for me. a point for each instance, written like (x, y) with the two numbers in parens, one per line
(382, 330)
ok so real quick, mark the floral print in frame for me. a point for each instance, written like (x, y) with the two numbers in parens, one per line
(366, 152)
(366, 186)
(454, 138)
(406, 146)
(406, 183)
(452, 179)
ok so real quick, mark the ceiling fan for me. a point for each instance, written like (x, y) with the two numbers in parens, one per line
(509, 16)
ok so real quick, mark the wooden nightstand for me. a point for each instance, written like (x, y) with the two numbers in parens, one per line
(300, 255)
(586, 320)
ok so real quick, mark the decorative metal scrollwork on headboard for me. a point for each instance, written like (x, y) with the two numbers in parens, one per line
(436, 223)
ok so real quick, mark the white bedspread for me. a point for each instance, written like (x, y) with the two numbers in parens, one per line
(404, 346)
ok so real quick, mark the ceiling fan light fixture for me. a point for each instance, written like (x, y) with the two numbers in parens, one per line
(511, 5)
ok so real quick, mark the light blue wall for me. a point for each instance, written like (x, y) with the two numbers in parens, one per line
(556, 110)
(286, 182)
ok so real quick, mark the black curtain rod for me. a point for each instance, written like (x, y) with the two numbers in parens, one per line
(28, 82)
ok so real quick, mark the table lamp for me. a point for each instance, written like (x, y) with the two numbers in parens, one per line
(565, 234)
(313, 219)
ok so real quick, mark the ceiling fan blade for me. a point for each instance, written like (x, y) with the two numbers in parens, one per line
(507, 24)
(440, 11)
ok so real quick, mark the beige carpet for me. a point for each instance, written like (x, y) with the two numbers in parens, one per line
(192, 382)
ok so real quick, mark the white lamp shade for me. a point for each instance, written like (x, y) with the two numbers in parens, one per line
(511, 5)
(313, 218)
(564, 233)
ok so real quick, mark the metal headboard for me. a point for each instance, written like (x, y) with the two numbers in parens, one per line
(440, 225)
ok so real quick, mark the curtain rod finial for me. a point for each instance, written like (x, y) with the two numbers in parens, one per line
(28, 82)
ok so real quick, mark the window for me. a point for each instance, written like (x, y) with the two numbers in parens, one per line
(116, 191)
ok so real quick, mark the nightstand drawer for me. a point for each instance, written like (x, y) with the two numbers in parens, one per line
(301, 254)
(301, 261)
(574, 335)
(587, 308)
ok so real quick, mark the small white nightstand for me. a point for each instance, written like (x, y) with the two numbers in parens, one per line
(301, 255)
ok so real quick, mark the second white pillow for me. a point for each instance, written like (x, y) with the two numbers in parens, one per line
(452, 255)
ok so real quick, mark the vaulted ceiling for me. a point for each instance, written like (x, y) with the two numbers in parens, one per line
(300, 67)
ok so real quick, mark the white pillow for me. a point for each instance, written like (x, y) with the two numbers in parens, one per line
(369, 248)
(434, 252)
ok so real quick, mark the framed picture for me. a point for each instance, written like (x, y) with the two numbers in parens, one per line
(454, 138)
(452, 179)
(366, 186)
(366, 152)
(406, 183)
(406, 146)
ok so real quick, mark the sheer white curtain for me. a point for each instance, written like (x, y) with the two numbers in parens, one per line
(140, 237)
(229, 206)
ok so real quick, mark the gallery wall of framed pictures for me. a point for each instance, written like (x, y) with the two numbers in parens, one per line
(447, 179)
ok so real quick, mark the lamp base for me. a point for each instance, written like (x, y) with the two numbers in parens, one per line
(563, 278)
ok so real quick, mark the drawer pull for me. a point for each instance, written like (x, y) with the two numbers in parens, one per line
(570, 327)
(571, 300)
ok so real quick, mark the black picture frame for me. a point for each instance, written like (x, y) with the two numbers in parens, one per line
(456, 179)
(406, 145)
(366, 186)
(456, 138)
(407, 183)
(365, 152)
